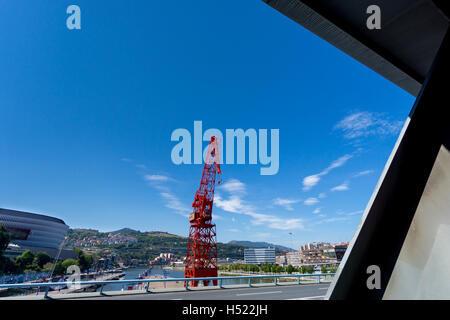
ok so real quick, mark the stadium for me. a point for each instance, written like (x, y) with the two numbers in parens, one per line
(35, 232)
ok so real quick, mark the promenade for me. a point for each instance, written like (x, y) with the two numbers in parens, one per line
(235, 292)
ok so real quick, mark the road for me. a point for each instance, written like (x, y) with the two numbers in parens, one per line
(283, 292)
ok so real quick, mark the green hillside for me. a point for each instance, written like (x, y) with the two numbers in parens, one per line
(148, 245)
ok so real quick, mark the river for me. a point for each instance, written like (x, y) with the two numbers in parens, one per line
(133, 273)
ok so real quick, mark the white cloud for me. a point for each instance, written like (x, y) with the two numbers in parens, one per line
(341, 213)
(317, 210)
(355, 212)
(286, 203)
(312, 180)
(161, 187)
(322, 195)
(233, 230)
(157, 182)
(235, 204)
(341, 187)
(156, 177)
(330, 220)
(311, 201)
(338, 163)
(336, 219)
(263, 235)
(275, 222)
(363, 124)
(172, 202)
(234, 186)
(363, 173)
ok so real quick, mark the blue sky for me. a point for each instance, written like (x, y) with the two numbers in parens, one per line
(87, 115)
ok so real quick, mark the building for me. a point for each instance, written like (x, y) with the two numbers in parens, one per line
(281, 260)
(314, 245)
(313, 256)
(167, 256)
(323, 252)
(164, 258)
(294, 258)
(316, 253)
(35, 232)
(339, 250)
(259, 255)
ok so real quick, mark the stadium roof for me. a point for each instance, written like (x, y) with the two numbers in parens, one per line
(30, 215)
(403, 49)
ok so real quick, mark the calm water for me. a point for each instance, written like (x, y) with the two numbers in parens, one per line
(135, 272)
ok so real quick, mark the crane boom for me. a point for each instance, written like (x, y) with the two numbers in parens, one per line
(204, 197)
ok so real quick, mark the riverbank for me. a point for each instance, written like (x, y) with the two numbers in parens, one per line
(155, 272)
(178, 269)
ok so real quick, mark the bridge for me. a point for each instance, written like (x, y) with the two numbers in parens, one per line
(292, 286)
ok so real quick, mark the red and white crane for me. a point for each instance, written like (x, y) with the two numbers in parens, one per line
(201, 257)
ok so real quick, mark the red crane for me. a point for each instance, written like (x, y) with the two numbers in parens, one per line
(201, 257)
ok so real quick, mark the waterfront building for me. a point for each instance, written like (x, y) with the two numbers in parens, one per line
(294, 258)
(35, 232)
(323, 252)
(259, 255)
(281, 260)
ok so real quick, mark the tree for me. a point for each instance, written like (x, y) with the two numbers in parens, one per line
(4, 239)
(59, 269)
(8, 265)
(5, 263)
(25, 260)
(255, 268)
(85, 261)
(68, 262)
(78, 251)
(41, 258)
(309, 269)
(266, 268)
(324, 269)
(47, 267)
(289, 269)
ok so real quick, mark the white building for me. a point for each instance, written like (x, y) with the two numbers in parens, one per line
(259, 255)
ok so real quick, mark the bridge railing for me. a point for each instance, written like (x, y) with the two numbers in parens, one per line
(101, 284)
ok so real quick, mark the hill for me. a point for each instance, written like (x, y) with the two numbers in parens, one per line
(252, 244)
(143, 246)
(125, 231)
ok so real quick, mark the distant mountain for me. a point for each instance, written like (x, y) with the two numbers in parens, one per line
(163, 234)
(252, 244)
(125, 231)
(128, 231)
